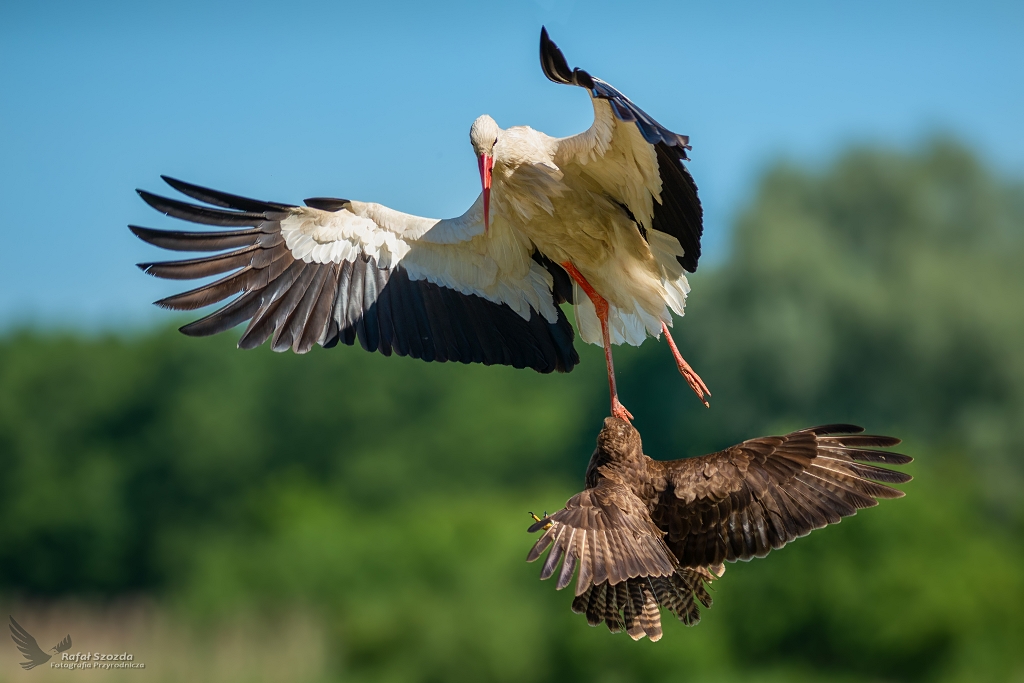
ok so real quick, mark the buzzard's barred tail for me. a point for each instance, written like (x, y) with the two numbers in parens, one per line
(681, 592)
(650, 617)
(633, 605)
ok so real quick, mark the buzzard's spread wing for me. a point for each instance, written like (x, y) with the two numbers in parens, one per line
(744, 501)
(633, 159)
(608, 531)
(337, 271)
(28, 646)
(626, 570)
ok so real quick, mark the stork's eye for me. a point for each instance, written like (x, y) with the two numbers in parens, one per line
(495, 142)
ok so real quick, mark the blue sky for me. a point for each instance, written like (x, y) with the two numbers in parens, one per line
(373, 101)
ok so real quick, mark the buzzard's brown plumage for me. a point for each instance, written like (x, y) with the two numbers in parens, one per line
(647, 533)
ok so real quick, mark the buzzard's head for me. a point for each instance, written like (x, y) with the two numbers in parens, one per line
(619, 437)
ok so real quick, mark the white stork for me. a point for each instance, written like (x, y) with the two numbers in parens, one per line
(612, 209)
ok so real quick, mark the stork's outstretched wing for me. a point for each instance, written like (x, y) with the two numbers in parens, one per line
(338, 270)
(756, 496)
(28, 646)
(633, 159)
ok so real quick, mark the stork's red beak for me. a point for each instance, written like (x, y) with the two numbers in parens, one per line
(486, 162)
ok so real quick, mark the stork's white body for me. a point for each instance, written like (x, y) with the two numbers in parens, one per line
(560, 193)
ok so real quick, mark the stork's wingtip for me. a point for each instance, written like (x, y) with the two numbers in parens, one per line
(148, 197)
(179, 185)
(152, 199)
(545, 43)
(173, 182)
(190, 330)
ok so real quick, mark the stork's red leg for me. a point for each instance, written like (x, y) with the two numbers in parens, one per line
(692, 378)
(601, 306)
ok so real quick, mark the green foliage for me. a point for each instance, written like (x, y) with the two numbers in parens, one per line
(390, 495)
(117, 452)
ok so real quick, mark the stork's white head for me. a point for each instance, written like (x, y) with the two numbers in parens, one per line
(483, 135)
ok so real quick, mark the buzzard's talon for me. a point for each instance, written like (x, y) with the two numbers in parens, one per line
(540, 519)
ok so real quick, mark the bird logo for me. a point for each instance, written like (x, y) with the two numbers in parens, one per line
(30, 648)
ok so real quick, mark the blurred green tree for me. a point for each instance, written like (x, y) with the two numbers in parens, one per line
(389, 495)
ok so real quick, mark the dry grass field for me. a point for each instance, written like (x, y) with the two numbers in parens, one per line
(252, 649)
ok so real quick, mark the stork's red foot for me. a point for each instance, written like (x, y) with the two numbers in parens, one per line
(619, 410)
(694, 380)
(691, 377)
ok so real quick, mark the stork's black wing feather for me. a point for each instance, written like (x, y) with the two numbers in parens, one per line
(677, 211)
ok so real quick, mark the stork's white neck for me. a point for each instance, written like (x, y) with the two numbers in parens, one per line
(525, 177)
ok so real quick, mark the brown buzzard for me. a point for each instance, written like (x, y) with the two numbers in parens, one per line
(648, 533)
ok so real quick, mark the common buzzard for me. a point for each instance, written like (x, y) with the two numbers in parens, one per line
(648, 533)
